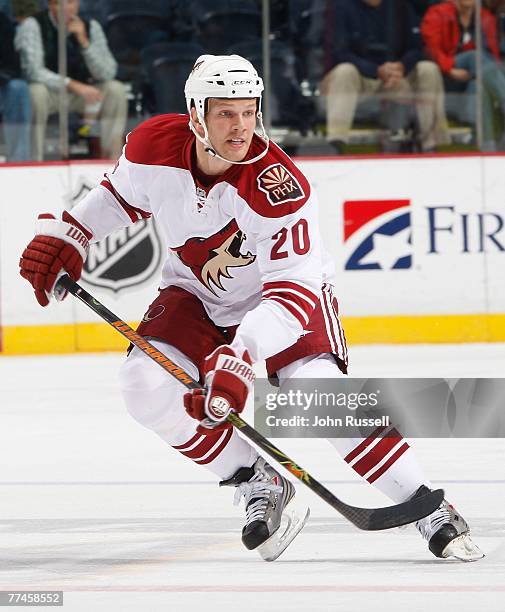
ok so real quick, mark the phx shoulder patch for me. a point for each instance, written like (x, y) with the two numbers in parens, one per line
(279, 185)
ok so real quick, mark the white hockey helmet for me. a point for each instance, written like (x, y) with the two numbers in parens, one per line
(223, 76)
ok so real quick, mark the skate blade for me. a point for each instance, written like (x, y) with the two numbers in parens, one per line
(463, 548)
(293, 520)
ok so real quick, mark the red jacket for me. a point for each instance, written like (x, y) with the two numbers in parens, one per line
(441, 33)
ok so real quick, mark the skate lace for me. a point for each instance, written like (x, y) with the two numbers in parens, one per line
(258, 487)
(432, 523)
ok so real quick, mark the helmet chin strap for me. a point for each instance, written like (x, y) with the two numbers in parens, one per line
(213, 153)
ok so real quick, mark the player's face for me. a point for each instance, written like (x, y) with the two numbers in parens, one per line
(231, 125)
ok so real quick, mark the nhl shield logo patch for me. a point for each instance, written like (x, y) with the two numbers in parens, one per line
(279, 185)
(126, 258)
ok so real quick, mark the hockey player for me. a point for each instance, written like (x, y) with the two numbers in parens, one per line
(244, 281)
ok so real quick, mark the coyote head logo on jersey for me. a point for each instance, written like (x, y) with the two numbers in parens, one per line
(211, 258)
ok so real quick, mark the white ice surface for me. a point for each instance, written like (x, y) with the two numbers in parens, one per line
(93, 504)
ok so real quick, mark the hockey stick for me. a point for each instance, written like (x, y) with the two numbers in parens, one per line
(369, 519)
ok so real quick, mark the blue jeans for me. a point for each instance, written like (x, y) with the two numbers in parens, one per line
(17, 117)
(493, 88)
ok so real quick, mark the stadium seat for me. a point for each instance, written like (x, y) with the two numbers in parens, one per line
(130, 26)
(166, 66)
(221, 24)
(288, 106)
(92, 9)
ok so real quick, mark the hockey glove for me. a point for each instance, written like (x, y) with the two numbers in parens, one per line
(228, 380)
(58, 246)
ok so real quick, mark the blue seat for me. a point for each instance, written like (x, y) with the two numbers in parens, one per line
(223, 23)
(167, 66)
(131, 26)
(288, 106)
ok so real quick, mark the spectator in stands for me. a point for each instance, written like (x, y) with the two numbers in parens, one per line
(493, 5)
(377, 50)
(497, 7)
(421, 6)
(92, 90)
(448, 30)
(14, 96)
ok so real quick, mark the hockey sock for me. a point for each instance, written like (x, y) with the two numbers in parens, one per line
(154, 400)
(385, 460)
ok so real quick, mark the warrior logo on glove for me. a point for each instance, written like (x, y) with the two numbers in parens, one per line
(79, 237)
(239, 368)
(229, 378)
(219, 407)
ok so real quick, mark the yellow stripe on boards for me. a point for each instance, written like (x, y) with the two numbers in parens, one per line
(428, 329)
(50, 339)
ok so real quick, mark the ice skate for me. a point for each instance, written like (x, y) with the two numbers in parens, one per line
(272, 518)
(447, 533)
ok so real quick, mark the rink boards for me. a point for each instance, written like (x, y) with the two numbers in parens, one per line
(418, 245)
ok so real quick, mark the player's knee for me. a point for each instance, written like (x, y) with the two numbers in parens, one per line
(136, 384)
(151, 395)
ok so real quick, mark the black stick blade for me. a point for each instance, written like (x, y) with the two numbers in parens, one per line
(375, 519)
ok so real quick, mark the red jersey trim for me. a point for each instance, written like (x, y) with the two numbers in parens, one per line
(135, 214)
(291, 307)
(295, 298)
(296, 288)
(164, 140)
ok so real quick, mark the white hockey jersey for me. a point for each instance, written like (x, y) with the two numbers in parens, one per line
(246, 243)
